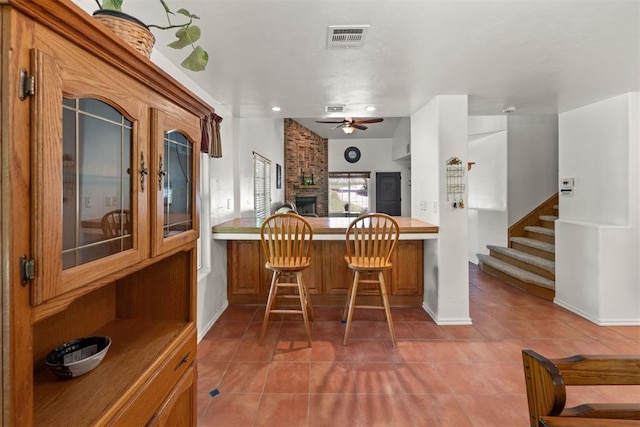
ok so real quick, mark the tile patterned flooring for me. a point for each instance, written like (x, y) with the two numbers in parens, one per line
(438, 376)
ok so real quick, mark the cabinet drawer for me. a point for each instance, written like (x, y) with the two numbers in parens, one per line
(153, 393)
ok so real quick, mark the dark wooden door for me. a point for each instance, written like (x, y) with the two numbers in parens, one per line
(388, 193)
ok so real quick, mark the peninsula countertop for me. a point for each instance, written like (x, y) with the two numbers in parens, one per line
(324, 228)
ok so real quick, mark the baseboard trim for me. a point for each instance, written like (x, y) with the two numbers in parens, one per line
(214, 319)
(599, 322)
(447, 322)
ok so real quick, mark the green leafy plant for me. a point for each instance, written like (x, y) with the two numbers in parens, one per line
(186, 35)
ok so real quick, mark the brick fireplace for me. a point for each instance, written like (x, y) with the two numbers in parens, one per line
(306, 166)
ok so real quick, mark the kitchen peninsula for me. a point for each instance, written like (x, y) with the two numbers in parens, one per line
(328, 278)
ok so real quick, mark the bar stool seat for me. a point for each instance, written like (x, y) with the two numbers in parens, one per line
(286, 240)
(370, 240)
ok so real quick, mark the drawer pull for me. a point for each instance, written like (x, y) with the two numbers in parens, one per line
(182, 361)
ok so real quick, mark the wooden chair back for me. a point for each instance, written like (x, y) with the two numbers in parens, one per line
(286, 240)
(546, 382)
(371, 240)
(116, 223)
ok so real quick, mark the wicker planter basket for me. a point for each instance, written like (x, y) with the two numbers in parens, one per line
(129, 29)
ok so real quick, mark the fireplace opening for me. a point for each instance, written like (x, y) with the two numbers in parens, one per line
(306, 205)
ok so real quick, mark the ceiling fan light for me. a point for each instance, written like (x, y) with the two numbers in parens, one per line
(348, 129)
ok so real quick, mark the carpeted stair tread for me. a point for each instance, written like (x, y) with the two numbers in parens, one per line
(542, 263)
(517, 272)
(536, 244)
(540, 230)
(548, 217)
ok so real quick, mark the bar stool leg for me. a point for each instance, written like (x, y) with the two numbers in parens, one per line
(270, 301)
(307, 299)
(352, 304)
(387, 308)
(303, 304)
(346, 304)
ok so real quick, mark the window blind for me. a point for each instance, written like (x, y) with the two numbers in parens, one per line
(349, 175)
(261, 185)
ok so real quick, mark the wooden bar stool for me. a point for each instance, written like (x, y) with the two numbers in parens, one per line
(371, 240)
(286, 241)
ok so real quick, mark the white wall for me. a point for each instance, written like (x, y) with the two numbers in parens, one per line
(439, 132)
(516, 170)
(487, 193)
(533, 162)
(597, 235)
(265, 137)
(375, 157)
(401, 141)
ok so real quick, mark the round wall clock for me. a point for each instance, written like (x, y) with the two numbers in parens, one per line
(352, 154)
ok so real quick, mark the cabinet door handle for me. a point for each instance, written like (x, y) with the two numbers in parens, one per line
(182, 361)
(143, 171)
(161, 173)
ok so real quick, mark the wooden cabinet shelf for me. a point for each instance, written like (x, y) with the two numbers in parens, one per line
(137, 345)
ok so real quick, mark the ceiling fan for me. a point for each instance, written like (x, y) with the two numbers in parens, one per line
(348, 125)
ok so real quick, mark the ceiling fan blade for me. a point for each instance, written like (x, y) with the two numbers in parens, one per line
(330, 121)
(357, 126)
(339, 126)
(377, 120)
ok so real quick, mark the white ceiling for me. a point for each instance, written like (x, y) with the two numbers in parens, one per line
(543, 57)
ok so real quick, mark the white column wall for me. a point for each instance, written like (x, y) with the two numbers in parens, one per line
(597, 235)
(439, 132)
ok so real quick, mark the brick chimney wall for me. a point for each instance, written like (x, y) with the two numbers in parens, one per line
(306, 152)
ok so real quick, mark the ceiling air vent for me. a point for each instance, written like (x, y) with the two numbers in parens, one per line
(334, 109)
(346, 36)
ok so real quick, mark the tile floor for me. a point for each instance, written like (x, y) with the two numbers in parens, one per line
(438, 376)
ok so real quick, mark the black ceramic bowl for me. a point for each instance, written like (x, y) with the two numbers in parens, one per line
(78, 356)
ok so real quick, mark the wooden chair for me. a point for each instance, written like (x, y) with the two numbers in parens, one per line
(117, 224)
(371, 240)
(546, 393)
(286, 241)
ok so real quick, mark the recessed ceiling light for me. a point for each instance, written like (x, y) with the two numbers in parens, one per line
(370, 108)
(275, 108)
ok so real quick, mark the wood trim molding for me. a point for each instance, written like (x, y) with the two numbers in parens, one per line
(532, 218)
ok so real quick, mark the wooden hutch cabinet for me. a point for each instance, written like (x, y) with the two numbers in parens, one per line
(100, 191)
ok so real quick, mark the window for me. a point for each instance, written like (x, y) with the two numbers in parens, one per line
(348, 193)
(261, 185)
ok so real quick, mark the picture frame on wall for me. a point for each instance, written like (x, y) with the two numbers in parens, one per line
(278, 176)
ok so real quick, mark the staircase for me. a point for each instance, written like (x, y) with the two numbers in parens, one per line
(529, 261)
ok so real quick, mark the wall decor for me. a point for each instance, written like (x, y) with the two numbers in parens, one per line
(278, 176)
(352, 154)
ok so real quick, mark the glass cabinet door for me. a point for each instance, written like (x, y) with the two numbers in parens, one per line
(176, 137)
(96, 192)
(89, 207)
(177, 182)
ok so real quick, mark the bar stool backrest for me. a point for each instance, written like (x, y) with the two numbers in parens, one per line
(371, 240)
(286, 241)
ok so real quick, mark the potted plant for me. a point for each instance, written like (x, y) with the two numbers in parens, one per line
(186, 35)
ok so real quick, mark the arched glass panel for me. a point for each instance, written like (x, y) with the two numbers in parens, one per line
(177, 189)
(97, 186)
